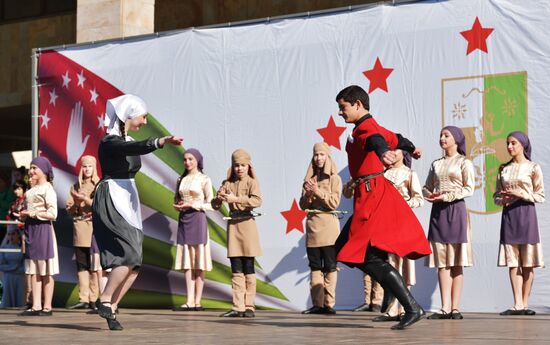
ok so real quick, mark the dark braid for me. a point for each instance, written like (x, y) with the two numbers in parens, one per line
(121, 127)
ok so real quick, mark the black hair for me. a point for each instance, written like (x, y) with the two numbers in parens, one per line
(122, 128)
(354, 93)
(20, 184)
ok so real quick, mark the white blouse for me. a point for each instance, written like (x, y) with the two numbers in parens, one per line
(407, 184)
(197, 190)
(453, 177)
(41, 202)
(525, 177)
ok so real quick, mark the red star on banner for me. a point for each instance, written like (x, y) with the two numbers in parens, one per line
(294, 217)
(331, 133)
(377, 76)
(477, 37)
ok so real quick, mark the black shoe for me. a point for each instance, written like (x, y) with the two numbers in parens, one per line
(30, 312)
(184, 307)
(199, 308)
(233, 313)
(385, 318)
(456, 315)
(529, 312)
(363, 307)
(441, 315)
(409, 318)
(314, 310)
(114, 325)
(377, 308)
(45, 313)
(79, 305)
(249, 313)
(93, 308)
(329, 311)
(513, 312)
(104, 311)
(27, 306)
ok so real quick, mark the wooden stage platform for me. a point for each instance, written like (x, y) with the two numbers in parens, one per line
(144, 326)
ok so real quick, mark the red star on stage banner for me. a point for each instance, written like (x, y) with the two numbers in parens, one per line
(294, 217)
(477, 37)
(377, 76)
(331, 133)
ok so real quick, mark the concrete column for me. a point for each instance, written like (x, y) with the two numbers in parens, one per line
(104, 19)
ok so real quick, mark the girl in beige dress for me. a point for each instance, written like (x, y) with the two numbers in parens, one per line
(321, 194)
(519, 186)
(241, 192)
(450, 180)
(79, 206)
(41, 259)
(192, 199)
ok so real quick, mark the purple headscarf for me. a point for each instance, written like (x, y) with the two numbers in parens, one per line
(197, 156)
(524, 141)
(459, 137)
(407, 159)
(44, 164)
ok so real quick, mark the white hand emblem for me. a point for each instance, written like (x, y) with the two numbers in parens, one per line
(75, 145)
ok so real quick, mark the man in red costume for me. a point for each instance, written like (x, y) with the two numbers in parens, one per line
(382, 221)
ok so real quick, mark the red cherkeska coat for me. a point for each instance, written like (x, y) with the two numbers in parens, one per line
(381, 216)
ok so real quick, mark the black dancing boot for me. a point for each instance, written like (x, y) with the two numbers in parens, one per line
(387, 301)
(392, 281)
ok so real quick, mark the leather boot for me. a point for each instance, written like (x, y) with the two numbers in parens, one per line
(376, 265)
(392, 281)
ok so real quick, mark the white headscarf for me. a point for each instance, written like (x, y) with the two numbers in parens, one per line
(123, 107)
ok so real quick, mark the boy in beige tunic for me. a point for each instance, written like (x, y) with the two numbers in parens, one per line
(241, 191)
(320, 195)
(79, 206)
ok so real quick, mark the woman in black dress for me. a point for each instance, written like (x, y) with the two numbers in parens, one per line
(116, 210)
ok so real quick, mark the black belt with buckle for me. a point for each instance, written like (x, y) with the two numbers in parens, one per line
(367, 179)
(241, 214)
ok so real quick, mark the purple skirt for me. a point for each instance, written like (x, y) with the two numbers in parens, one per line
(519, 224)
(94, 249)
(449, 222)
(192, 227)
(39, 240)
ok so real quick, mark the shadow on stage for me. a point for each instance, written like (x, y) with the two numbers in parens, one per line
(52, 325)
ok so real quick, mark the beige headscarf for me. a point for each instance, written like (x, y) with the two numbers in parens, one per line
(85, 160)
(329, 168)
(240, 156)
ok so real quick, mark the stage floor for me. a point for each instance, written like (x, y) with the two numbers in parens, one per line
(145, 326)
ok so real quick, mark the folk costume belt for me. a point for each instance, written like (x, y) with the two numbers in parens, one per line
(239, 215)
(367, 179)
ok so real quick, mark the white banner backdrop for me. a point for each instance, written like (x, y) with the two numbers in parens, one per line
(269, 87)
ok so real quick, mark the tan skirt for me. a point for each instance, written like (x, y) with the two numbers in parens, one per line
(520, 255)
(48, 267)
(195, 257)
(450, 255)
(405, 267)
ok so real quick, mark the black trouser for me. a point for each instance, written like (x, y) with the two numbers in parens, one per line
(83, 258)
(322, 258)
(242, 264)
